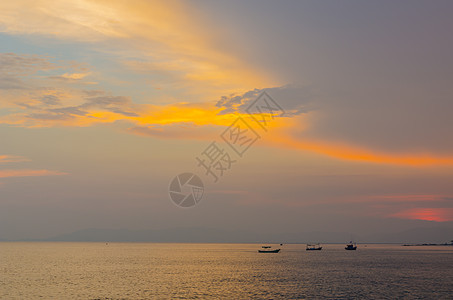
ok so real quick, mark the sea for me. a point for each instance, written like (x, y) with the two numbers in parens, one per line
(35, 270)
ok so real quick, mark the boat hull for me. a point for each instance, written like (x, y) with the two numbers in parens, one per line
(269, 251)
(313, 249)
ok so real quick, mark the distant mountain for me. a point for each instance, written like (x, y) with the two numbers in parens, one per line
(183, 235)
(438, 234)
(196, 235)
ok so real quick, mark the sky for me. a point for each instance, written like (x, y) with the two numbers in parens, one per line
(103, 103)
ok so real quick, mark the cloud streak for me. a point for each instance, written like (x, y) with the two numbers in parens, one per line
(72, 107)
(29, 173)
(9, 173)
(352, 152)
(11, 158)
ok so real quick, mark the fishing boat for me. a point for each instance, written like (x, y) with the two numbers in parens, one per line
(267, 249)
(311, 247)
(351, 246)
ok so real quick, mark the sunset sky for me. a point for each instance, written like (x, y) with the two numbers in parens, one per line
(102, 103)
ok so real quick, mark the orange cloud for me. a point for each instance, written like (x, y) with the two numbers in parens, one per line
(347, 152)
(199, 114)
(279, 136)
(28, 173)
(7, 173)
(74, 76)
(110, 110)
(187, 131)
(71, 107)
(282, 137)
(11, 158)
(164, 121)
(427, 214)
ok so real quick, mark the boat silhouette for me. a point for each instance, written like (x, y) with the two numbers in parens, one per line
(311, 247)
(351, 246)
(267, 249)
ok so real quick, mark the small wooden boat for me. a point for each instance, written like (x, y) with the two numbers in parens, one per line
(267, 249)
(311, 247)
(351, 246)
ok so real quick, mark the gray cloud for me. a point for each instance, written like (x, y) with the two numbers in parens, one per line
(122, 112)
(74, 110)
(14, 74)
(18, 65)
(293, 99)
(50, 100)
(50, 116)
(414, 119)
(116, 104)
(63, 113)
(93, 93)
(9, 83)
(108, 100)
(13, 67)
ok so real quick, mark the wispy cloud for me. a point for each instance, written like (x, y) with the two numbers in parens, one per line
(28, 173)
(162, 38)
(71, 76)
(294, 99)
(356, 152)
(181, 130)
(44, 105)
(16, 69)
(12, 158)
(67, 106)
(19, 65)
(7, 173)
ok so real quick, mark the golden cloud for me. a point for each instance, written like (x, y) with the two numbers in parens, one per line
(166, 36)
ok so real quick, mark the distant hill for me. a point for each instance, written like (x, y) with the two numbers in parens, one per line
(183, 235)
(438, 234)
(195, 235)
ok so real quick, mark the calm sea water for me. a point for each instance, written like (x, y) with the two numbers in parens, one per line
(225, 271)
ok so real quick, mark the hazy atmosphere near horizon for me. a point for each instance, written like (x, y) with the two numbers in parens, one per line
(223, 149)
(104, 103)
